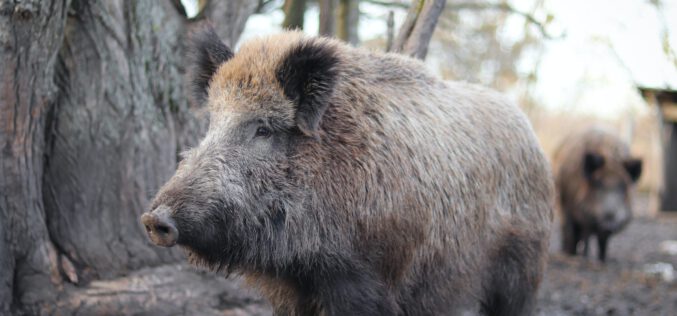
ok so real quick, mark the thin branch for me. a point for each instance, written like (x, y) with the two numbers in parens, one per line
(668, 49)
(406, 28)
(540, 25)
(264, 6)
(506, 8)
(390, 33)
(388, 4)
(417, 30)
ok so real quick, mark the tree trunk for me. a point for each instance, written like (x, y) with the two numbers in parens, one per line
(417, 29)
(327, 18)
(390, 31)
(31, 33)
(348, 21)
(669, 196)
(293, 14)
(94, 113)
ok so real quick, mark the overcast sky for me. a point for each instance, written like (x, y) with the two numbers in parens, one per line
(610, 47)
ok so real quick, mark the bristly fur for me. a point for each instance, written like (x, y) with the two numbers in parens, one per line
(207, 53)
(308, 75)
(414, 196)
(515, 276)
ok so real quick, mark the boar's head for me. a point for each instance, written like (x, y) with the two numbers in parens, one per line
(229, 202)
(607, 201)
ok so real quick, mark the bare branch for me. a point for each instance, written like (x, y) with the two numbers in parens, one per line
(390, 33)
(264, 6)
(417, 30)
(668, 49)
(506, 8)
(406, 28)
(388, 3)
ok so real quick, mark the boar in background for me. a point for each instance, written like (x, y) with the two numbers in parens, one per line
(594, 176)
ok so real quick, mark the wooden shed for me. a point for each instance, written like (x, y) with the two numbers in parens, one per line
(664, 102)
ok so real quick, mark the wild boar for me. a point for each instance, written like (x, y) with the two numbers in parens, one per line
(340, 181)
(594, 177)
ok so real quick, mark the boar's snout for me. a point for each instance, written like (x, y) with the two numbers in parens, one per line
(160, 227)
(609, 216)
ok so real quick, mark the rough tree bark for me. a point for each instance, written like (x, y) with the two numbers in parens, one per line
(30, 34)
(417, 29)
(93, 112)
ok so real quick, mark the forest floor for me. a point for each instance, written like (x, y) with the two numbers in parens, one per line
(637, 279)
(624, 285)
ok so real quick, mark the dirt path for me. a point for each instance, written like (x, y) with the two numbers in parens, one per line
(622, 286)
(571, 286)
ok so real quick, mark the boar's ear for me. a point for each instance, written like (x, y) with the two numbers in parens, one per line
(592, 162)
(308, 74)
(634, 168)
(208, 52)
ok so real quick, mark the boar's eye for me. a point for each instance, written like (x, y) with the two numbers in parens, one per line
(263, 131)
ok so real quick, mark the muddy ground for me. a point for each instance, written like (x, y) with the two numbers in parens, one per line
(571, 286)
(625, 284)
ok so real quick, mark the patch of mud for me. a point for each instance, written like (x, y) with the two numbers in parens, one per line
(632, 282)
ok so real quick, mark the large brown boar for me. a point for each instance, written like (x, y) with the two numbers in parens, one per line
(345, 182)
(594, 176)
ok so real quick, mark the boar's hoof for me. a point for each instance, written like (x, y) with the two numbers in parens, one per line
(160, 228)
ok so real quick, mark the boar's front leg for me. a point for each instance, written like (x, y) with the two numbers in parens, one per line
(571, 235)
(602, 241)
(586, 244)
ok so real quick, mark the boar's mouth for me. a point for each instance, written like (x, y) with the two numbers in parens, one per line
(219, 236)
(209, 261)
(214, 256)
(221, 247)
(204, 238)
(610, 227)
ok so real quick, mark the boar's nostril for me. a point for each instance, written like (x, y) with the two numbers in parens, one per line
(160, 228)
(609, 217)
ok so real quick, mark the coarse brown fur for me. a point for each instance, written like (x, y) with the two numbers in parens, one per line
(594, 175)
(380, 190)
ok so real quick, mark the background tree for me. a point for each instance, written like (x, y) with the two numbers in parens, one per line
(337, 18)
(327, 17)
(294, 11)
(348, 20)
(471, 43)
(417, 30)
(93, 115)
